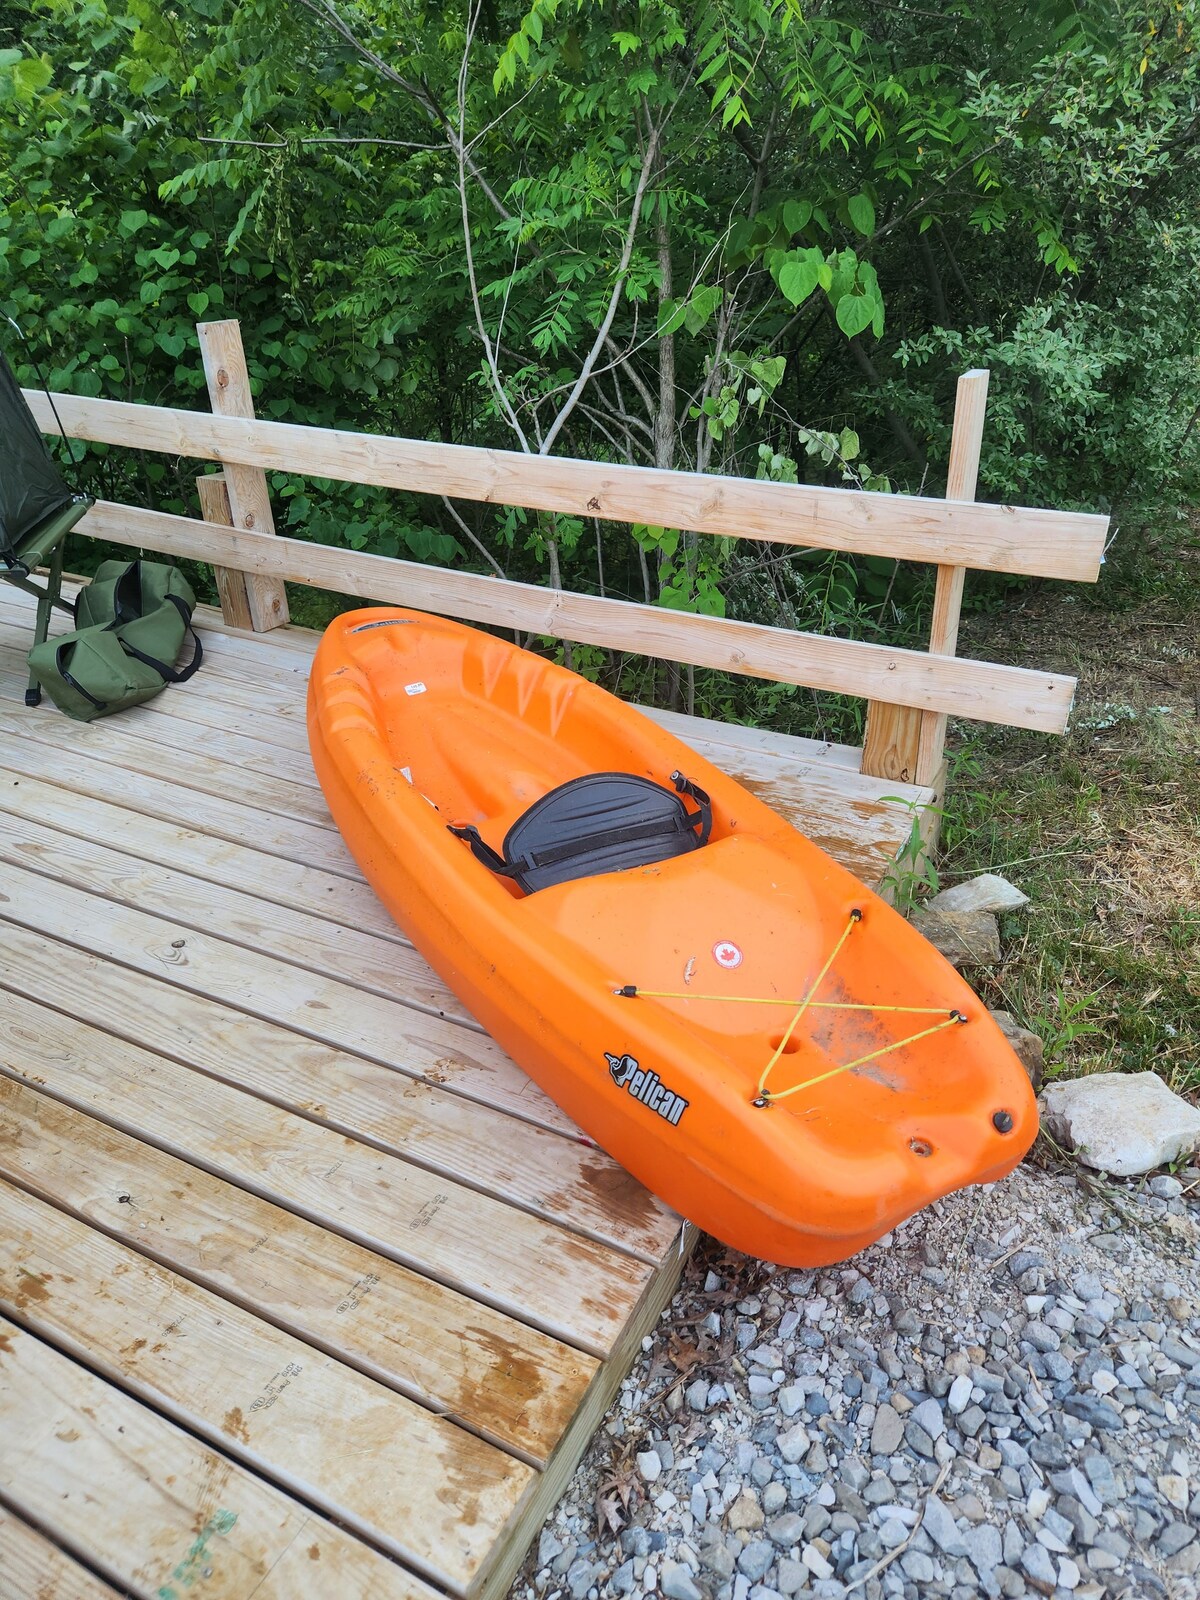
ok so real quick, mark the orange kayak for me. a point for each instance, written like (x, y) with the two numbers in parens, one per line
(745, 1027)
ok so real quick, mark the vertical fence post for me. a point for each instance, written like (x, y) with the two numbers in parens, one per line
(245, 488)
(901, 742)
(965, 446)
(231, 585)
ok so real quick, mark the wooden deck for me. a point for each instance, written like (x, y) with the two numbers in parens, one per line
(304, 1289)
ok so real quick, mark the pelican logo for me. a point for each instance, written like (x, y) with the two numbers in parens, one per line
(646, 1087)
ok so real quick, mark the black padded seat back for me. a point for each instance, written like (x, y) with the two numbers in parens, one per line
(602, 822)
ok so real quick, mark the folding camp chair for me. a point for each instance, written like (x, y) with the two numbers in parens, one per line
(37, 509)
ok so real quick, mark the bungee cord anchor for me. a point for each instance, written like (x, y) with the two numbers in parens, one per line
(763, 1096)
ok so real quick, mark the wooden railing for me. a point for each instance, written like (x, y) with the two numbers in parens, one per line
(910, 692)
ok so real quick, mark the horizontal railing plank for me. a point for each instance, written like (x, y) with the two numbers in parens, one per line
(978, 689)
(1049, 544)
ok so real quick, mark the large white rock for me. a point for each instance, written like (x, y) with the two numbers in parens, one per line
(988, 892)
(1121, 1122)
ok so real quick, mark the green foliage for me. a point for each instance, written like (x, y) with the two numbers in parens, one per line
(787, 228)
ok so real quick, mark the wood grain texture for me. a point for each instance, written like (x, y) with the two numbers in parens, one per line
(962, 478)
(249, 500)
(134, 747)
(890, 740)
(29, 747)
(567, 1285)
(231, 586)
(898, 741)
(560, 1177)
(261, 1395)
(412, 1043)
(309, 889)
(492, 1374)
(976, 689)
(1054, 544)
(151, 1507)
(32, 1568)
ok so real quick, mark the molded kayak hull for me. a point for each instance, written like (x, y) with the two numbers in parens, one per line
(891, 1087)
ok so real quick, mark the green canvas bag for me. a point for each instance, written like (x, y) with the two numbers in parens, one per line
(89, 674)
(133, 620)
(124, 590)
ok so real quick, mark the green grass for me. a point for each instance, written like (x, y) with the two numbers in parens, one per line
(1101, 828)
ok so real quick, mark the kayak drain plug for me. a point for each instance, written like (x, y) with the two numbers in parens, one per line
(1002, 1121)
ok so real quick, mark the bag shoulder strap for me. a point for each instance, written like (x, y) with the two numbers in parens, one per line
(168, 673)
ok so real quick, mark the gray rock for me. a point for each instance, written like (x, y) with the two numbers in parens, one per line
(893, 1533)
(984, 1548)
(1027, 1046)
(791, 1399)
(1083, 1523)
(1176, 1536)
(774, 1498)
(965, 938)
(958, 1397)
(1041, 1337)
(1166, 1187)
(1073, 1482)
(677, 1583)
(816, 1562)
(791, 1576)
(1087, 1286)
(938, 1523)
(1037, 1565)
(623, 1580)
(548, 1547)
(696, 1395)
(917, 1566)
(928, 1415)
(581, 1575)
(755, 1560)
(793, 1444)
(972, 1419)
(1013, 1544)
(1121, 1122)
(1097, 1413)
(650, 1465)
(716, 1557)
(635, 1541)
(1183, 1355)
(917, 1439)
(787, 1530)
(1048, 1450)
(887, 1432)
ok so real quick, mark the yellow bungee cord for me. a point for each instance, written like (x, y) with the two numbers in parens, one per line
(763, 1096)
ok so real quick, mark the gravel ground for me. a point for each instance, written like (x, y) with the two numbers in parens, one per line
(1000, 1398)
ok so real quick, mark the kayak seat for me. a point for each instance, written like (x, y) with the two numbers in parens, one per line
(601, 822)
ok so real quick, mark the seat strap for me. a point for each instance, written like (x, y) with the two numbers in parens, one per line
(481, 849)
(695, 792)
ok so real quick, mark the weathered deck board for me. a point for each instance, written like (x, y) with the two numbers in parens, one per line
(150, 1506)
(34, 1568)
(539, 1171)
(235, 1102)
(496, 1377)
(555, 1279)
(260, 1394)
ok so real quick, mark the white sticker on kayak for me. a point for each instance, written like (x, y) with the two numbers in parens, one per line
(726, 953)
(414, 688)
(406, 773)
